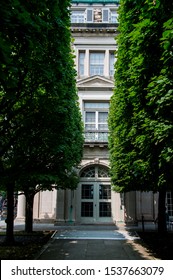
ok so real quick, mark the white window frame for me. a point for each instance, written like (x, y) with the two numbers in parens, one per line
(113, 14)
(78, 15)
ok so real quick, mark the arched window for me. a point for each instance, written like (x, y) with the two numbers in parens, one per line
(96, 171)
(103, 172)
(89, 172)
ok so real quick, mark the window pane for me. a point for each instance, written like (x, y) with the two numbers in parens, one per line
(87, 191)
(90, 117)
(104, 105)
(114, 17)
(87, 209)
(89, 172)
(81, 63)
(90, 127)
(103, 172)
(103, 127)
(111, 63)
(105, 209)
(96, 58)
(96, 70)
(104, 192)
(169, 203)
(103, 116)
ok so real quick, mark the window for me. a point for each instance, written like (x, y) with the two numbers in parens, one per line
(111, 63)
(97, 63)
(105, 209)
(89, 172)
(77, 16)
(114, 17)
(81, 63)
(104, 192)
(87, 191)
(169, 203)
(103, 172)
(87, 209)
(95, 120)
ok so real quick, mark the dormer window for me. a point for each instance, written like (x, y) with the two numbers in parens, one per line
(94, 15)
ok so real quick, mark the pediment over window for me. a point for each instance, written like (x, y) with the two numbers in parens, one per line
(95, 81)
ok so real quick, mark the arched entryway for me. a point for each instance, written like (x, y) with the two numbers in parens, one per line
(94, 195)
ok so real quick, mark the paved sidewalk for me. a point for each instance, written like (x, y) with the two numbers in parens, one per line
(89, 242)
(94, 243)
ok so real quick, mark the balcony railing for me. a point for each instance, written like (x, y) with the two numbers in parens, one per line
(96, 136)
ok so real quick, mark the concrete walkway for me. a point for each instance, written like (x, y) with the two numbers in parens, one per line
(94, 243)
(89, 242)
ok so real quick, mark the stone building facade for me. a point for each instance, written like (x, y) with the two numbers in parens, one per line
(94, 30)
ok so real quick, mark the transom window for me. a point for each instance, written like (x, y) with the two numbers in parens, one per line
(95, 172)
(103, 172)
(89, 172)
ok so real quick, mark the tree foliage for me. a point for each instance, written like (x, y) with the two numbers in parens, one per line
(140, 121)
(141, 96)
(40, 123)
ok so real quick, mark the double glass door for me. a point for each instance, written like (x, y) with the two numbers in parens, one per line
(95, 202)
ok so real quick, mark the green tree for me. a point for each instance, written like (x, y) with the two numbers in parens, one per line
(40, 124)
(139, 160)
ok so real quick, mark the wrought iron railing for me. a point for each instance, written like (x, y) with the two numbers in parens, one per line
(96, 135)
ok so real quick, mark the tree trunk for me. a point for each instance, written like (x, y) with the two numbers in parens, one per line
(29, 212)
(162, 228)
(10, 214)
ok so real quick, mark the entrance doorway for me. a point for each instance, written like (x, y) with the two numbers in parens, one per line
(94, 196)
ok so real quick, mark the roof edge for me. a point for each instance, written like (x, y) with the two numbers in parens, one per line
(96, 1)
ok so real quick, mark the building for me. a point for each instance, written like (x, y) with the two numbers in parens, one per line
(94, 29)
